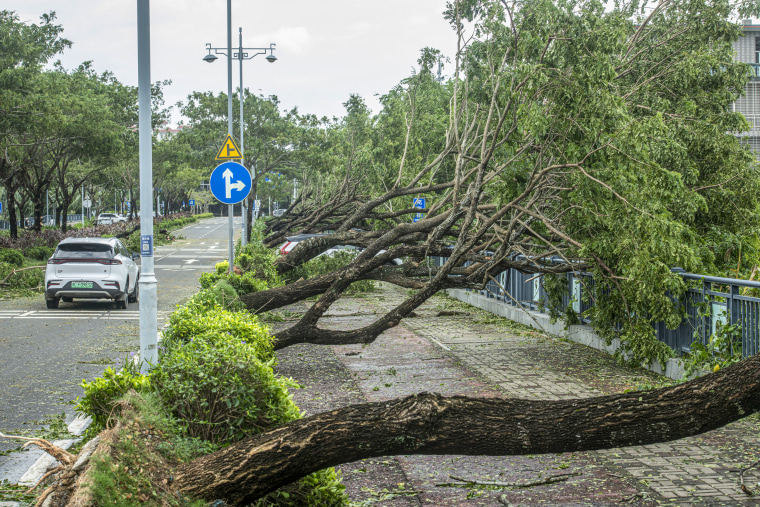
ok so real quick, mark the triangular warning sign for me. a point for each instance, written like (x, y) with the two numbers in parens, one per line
(229, 150)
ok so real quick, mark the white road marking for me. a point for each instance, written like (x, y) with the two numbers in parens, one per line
(77, 315)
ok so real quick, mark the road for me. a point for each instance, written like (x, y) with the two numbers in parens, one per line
(45, 354)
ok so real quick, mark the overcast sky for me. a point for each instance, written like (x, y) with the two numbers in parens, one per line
(326, 49)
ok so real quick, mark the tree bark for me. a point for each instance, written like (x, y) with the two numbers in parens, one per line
(431, 424)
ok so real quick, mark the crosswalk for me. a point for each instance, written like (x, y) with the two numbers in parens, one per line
(105, 314)
(199, 258)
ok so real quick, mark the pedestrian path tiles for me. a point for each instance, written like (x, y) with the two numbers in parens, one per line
(700, 470)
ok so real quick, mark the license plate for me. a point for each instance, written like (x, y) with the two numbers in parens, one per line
(81, 285)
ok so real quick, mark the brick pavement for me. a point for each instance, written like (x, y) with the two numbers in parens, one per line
(456, 349)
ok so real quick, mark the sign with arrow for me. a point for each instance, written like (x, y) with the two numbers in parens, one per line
(419, 203)
(229, 150)
(230, 182)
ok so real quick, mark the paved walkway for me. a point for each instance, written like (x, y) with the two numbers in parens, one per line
(452, 348)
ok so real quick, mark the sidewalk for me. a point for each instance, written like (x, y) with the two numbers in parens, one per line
(451, 348)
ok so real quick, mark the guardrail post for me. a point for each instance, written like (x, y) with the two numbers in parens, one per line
(704, 332)
(733, 305)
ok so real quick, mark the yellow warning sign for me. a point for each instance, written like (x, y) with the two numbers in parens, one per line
(228, 150)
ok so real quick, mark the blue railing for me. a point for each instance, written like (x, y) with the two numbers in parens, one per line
(708, 302)
(754, 71)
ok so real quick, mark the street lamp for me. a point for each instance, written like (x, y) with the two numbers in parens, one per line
(242, 54)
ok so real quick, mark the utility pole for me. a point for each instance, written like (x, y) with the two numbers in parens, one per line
(147, 281)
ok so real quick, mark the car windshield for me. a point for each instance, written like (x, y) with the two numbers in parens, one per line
(83, 251)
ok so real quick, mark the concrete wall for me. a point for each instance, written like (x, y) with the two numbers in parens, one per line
(578, 333)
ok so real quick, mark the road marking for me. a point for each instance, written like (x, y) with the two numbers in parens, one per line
(78, 315)
(182, 267)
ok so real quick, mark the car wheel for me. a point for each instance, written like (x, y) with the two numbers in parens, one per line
(135, 296)
(52, 303)
(67, 299)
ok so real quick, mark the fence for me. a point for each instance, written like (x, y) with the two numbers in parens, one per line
(708, 302)
(71, 219)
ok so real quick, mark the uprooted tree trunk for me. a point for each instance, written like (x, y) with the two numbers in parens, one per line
(428, 423)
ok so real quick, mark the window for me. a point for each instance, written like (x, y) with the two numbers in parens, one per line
(83, 251)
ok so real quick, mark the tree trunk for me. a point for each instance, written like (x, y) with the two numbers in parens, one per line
(429, 423)
(65, 203)
(12, 217)
(38, 208)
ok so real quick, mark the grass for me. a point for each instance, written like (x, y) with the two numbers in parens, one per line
(145, 445)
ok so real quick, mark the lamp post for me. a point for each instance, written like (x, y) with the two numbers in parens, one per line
(242, 54)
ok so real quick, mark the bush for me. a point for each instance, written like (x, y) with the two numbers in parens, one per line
(323, 488)
(101, 395)
(220, 387)
(12, 257)
(243, 284)
(203, 313)
(226, 295)
(28, 279)
(40, 253)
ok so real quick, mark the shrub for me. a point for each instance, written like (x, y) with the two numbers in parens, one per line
(12, 257)
(226, 295)
(243, 284)
(323, 488)
(27, 279)
(102, 393)
(219, 386)
(203, 313)
(40, 253)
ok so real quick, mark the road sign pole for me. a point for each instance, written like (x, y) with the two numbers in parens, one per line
(244, 235)
(148, 284)
(229, 122)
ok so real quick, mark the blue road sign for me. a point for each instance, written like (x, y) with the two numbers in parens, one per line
(1, 207)
(192, 202)
(418, 202)
(230, 182)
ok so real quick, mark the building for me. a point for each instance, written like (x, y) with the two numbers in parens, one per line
(748, 51)
(165, 132)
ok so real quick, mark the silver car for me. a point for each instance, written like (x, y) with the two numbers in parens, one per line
(92, 268)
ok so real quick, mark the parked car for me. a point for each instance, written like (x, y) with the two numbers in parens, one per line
(92, 268)
(110, 218)
(292, 241)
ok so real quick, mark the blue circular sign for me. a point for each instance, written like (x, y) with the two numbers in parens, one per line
(230, 182)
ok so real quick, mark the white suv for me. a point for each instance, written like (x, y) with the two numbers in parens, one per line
(92, 268)
(110, 218)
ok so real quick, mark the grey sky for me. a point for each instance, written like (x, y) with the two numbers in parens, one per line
(326, 49)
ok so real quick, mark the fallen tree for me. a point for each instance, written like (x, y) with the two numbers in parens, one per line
(428, 423)
(537, 170)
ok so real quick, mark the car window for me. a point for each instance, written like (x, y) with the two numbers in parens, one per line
(123, 251)
(83, 251)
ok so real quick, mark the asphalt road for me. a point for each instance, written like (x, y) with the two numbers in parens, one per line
(45, 354)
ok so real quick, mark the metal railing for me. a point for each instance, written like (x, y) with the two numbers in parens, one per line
(70, 219)
(708, 302)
